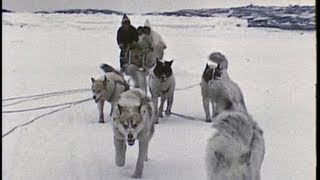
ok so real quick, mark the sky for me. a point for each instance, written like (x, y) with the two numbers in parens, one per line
(138, 6)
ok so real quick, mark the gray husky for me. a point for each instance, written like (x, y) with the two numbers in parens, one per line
(236, 150)
(162, 84)
(108, 88)
(134, 120)
(220, 90)
(138, 76)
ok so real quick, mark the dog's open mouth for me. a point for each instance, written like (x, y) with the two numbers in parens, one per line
(131, 142)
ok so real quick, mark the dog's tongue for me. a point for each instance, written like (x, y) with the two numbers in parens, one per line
(130, 142)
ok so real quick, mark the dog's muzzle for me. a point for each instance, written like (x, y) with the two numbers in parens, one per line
(96, 99)
(130, 140)
(163, 78)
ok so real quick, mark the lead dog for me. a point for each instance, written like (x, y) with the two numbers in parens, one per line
(236, 150)
(108, 88)
(162, 84)
(219, 89)
(133, 120)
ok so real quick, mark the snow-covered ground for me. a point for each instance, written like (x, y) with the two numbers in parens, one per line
(276, 70)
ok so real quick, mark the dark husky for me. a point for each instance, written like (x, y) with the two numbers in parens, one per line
(162, 84)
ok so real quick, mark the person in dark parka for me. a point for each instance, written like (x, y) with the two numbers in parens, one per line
(127, 36)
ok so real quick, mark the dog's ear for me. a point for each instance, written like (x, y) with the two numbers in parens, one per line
(219, 67)
(105, 80)
(245, 158)
(93, 80)
(120, 108)
(169, 62)
(207, 66)
(159, 62)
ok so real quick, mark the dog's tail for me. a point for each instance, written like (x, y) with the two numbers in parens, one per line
(220, 59)
(107, 68)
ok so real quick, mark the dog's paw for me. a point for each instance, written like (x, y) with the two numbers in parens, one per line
(101, 121)
(136, 175)
(215, 114)
(208, 120)
(120, 162)
(168, 113)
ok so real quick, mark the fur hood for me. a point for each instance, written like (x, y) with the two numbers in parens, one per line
(156, 37)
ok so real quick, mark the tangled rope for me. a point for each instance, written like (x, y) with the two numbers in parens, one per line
(43, 115)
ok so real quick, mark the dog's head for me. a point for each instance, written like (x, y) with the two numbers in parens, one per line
(208, 72)
(234, 167)
(98, 88)
(130, 122)
(211, 72)
(163, 70)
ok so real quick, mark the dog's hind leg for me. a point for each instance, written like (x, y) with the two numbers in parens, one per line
(163, 99)
(143, 150)
(169, 105)
(120, 147)
(100, 108)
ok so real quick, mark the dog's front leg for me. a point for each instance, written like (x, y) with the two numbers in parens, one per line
(120, 147)
(143, 150)
(163, 99)
(112, 108)
(100, 108)
(156, 110)
(206, 105)
(214, 109)
(169, 105)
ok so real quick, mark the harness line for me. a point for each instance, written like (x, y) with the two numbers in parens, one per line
(43, 115)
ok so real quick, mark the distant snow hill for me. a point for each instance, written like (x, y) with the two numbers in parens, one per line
(81, 11)
(288, 18)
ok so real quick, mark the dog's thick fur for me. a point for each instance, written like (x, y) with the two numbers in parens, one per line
(108, 88)
(134, 120)
(236, 150)
(219, 89)
(138, 76)
(162, 84)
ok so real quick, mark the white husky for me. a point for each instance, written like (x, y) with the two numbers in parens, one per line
(108, 88)
(237, 150)
(134, 120)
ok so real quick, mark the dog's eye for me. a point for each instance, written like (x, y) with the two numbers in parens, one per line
(93, 90)
(125, 126)
(134, 125)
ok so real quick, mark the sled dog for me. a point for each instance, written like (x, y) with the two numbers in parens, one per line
(108, 88)
(236, 150)
(138, 76)
(134, 120)
(220, 90)
(162, 84)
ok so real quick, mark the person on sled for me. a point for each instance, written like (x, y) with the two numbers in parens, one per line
(127, 38)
